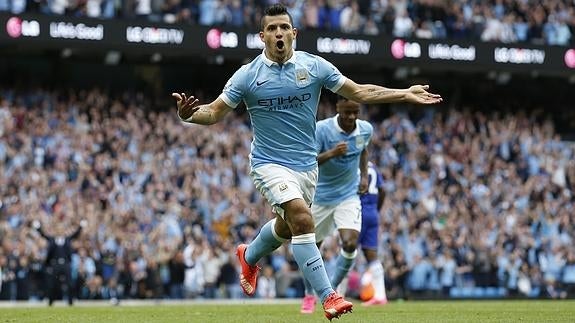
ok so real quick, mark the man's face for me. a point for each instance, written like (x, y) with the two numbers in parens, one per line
(278, 35)
(348, 113)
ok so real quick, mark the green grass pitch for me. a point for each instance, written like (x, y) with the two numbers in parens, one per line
(246, 311)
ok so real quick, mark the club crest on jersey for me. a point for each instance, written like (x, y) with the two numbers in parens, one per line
(283, 187)
(359, 141)
(301, 77)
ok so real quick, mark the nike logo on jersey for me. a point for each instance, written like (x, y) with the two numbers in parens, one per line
(312, 262)
(258, 83)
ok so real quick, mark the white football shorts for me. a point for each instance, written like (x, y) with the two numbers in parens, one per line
(279, 184)
(345, 215)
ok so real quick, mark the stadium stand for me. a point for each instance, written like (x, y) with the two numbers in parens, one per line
(477, 204)
(541, 22)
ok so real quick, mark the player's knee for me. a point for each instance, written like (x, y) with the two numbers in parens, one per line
(298, 216)
(349, 246)
(302, 223)
(282, 229)
(349, 240)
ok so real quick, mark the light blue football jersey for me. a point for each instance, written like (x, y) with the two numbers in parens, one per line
(282, 101)
(339, 176)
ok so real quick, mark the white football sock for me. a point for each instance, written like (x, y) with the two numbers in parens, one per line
(378, 279)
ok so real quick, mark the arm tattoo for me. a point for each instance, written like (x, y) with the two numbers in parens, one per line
(375, 93)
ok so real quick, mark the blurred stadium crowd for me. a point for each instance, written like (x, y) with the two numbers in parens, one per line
(472, 200)
(542, 22)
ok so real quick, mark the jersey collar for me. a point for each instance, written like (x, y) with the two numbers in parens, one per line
(269, 62)
(355, 131)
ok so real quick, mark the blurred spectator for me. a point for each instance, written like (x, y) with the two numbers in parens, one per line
(289, 282)
(266, 287)
(236, 13)
(403, 25)
(59, 260)
(83, 269)
(229, 277)
(177, 270)
(447, 268)
(8, 279)
(556, 31)
(207, 9)
(568, 274)
(351, 20)
(295, 9)
(370, 27)
(212, 262)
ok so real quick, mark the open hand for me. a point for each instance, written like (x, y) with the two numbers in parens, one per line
(418, 94)
(186, 105)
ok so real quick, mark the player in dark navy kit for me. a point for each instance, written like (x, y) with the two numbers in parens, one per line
(371, 203)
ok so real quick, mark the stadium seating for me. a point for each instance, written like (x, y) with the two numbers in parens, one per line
(547, 22)
(169, 203)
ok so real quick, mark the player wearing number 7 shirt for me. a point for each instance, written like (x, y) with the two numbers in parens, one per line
(342, 157)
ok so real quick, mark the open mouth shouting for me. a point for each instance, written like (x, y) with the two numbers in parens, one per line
(280, 44)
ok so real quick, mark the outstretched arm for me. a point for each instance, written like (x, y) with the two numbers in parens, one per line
(370, 94)
(38, 226)
(76, 233)
(205, 114)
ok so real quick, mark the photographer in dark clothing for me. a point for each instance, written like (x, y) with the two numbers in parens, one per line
(58, 261)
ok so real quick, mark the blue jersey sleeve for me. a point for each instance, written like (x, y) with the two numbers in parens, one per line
(331, 76)
(235, 89)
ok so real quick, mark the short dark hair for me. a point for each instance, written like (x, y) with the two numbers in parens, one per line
(343, 101)
(277, 9)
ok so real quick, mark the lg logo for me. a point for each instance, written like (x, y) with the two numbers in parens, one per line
(401, 49)
(216, 39)
(16, 27)
(570, 58)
